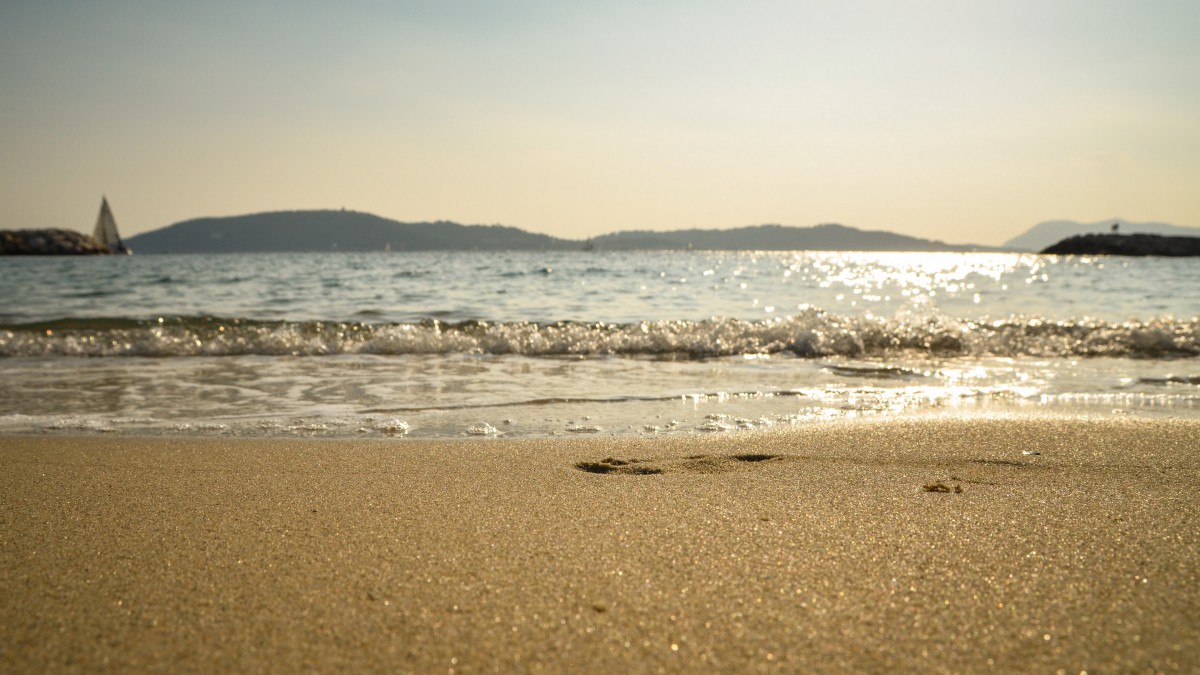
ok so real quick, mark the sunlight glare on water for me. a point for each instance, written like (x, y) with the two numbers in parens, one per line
(435, 344)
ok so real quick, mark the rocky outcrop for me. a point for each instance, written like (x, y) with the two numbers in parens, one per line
(1048, 232)
(1126, 244)
(49, 242)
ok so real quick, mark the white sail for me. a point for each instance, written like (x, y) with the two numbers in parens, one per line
(106, 229)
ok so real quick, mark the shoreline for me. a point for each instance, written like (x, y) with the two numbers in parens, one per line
(667, 420)
(831, 547)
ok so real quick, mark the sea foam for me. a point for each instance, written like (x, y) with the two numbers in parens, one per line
(810, 334)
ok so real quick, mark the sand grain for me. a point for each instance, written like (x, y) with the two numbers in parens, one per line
(818, 547)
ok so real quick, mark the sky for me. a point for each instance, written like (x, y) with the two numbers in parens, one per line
(955, 120)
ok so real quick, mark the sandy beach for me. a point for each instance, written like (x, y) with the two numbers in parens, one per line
(933, 546)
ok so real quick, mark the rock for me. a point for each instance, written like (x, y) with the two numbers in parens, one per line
(1126, 244)
(49, 242)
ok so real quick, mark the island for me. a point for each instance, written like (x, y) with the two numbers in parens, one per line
(1126, 244)
(343, 230)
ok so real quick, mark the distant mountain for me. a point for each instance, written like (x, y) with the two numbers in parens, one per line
(828, 237)
(355, 231)
(1050, 232)
(333, 231)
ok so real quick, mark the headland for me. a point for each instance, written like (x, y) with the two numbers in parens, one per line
(1126, 244)
(50, 242)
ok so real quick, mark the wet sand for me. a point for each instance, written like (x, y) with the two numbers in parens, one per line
(870, 546)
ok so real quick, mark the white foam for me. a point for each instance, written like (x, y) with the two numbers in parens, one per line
(482, 429)
(81, 424)
(393, 426)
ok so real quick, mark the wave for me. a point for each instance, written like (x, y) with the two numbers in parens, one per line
(811, 334)
(1171, 380)
(885, 372)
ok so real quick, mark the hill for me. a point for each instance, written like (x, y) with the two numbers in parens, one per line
(828, 237)
(334, 231)
(1050, 232)
(354, 231)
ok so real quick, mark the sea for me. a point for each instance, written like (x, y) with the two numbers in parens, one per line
(541, 344)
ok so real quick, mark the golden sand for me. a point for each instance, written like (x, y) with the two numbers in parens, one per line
(911, 546)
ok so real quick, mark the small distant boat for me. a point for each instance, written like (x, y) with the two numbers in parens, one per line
(106, 230)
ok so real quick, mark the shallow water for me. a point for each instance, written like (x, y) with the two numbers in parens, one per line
(440, 344)
(607, 287)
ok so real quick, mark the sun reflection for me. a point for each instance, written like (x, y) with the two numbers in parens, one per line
(910, 281)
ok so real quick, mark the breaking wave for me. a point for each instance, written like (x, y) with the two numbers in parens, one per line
(811, 334)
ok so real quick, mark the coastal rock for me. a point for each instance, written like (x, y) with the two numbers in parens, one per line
(49, 242)
(1049, 232)
(1126, 244)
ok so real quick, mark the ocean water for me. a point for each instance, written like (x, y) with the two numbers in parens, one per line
(452, 344)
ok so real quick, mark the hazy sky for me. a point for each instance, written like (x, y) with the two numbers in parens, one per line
(955, 120)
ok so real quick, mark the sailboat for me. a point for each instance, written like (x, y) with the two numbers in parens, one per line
(106, 230)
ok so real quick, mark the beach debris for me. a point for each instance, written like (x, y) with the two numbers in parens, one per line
(584, 429)
(1031, 452)
(942, 487)
(482, 429)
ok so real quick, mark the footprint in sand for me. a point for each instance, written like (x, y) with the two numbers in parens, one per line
(690, 464)
(942, 487)
(614, 465)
